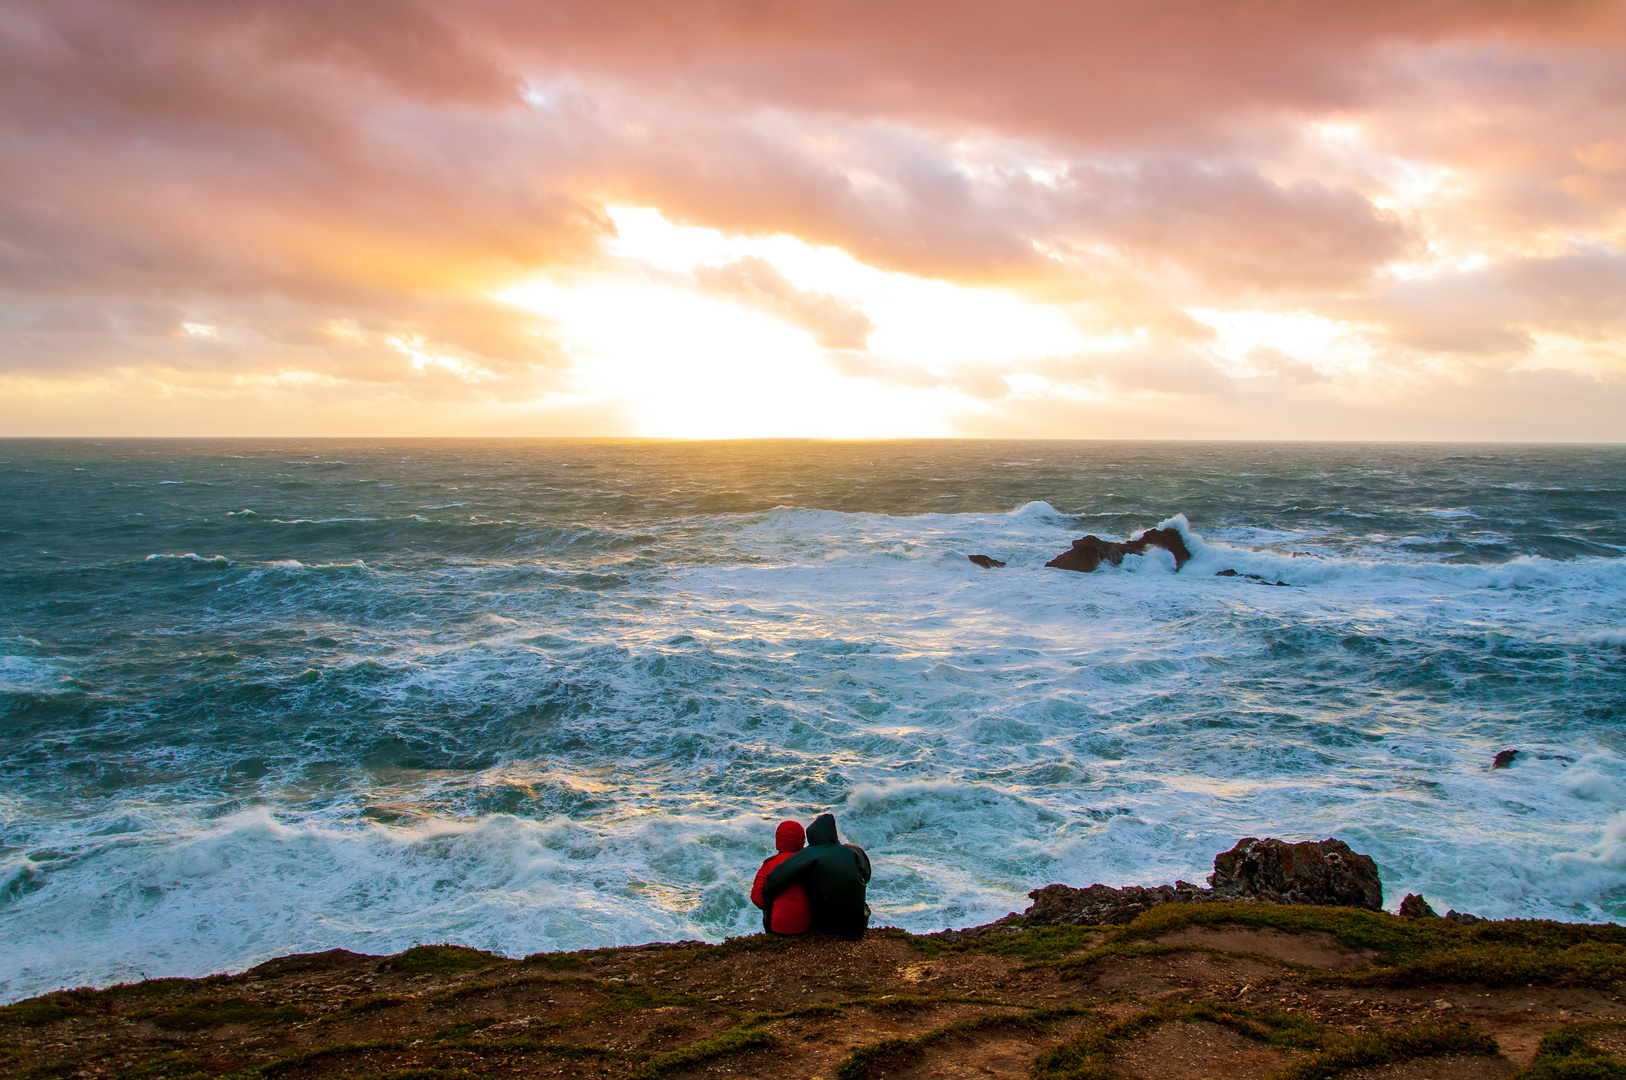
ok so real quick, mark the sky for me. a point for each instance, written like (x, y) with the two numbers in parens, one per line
(747, 218)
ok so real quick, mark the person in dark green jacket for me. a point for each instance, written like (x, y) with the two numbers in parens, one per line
(834, 875)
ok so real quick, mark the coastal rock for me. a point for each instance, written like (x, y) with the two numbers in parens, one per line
(1101, 905)
(987, 562)
(1323, 872)
(1504, 759)
(1089, 552)
(306, 963)
(1415, 907)
(1279, 583)
(1462, 918)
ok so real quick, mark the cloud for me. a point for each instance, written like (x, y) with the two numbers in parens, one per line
(341, 189)
(754, 282)
(1498, 308)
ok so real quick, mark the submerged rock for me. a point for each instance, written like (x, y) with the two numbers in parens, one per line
(1089, 552)
(1504, 759)
(1415, 907)
(1254, 577)
(1312, 872)
(987, 562)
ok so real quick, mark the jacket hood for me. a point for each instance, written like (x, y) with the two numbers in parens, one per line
(788, 837)
(823, 830)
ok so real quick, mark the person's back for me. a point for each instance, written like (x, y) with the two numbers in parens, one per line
(834, 875)
(788, 912)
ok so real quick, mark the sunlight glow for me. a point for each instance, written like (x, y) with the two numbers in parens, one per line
(687, 358)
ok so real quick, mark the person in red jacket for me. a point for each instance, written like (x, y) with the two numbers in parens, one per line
(789, 913)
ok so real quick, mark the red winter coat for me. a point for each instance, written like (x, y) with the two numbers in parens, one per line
(791, 914)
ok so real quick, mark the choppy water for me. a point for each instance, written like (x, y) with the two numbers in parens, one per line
(259, 697)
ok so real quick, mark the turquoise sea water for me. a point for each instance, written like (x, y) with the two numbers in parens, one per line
(259, 696)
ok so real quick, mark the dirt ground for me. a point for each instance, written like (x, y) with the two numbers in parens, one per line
(891, 1005)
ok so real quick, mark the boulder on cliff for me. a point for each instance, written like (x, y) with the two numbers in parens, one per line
(1102, 905)
(1415, 907)
(1312, 872)
(1325, 872)
(1089, 552)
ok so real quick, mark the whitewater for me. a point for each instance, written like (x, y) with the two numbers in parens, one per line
(261, 697)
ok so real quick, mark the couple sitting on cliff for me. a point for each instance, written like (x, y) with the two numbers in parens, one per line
(818, 888)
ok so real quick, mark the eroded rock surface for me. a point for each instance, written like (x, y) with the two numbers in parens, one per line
(1312, 872)
(1324, 872)
(1089, 552)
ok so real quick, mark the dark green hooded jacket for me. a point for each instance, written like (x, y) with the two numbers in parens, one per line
(834, 875)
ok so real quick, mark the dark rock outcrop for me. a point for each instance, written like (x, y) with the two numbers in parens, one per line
(1312, 872)
(987, 562)
(305, 963)
(1504, 759)
(1101, 905)
(1323, 872)
(1254, 577)
(1089, 552)
(1415, 907)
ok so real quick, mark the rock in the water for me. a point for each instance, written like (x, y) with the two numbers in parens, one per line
(1101, 905)
(1279, 583)
(1089, 552)
(987, 562)
(1324, 872)
(1415, 907)
(1504, 759)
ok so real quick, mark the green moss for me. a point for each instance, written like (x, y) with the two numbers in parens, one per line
(871, 1059)
(1588, 964)
(292, 1061)
(1089, 1055)
(1383, 1048)
(441, 960)
(212, 1013)
(414, 1074)
(730, 1041)
(376, 1002)
(37, 1012)
(167, 1067)
(1566, 1054)
(1042, 944)
(466, 1027)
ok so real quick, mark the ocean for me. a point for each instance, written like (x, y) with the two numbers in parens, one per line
(272, 696)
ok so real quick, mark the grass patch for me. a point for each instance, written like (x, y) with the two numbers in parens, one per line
(472, 989)
(419, 1074)
(891, 1053)
(745, 1036)
(1565, 1054)
(466, 1027)
(441, 960)
(1406, 1044)
(205, 1014)
(1410, 952)
(1042, 944)
(290, 1062)
(48, 1009)
(375, 1002)
(1587, 964)
(167, 1067)
(1089, 1056)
